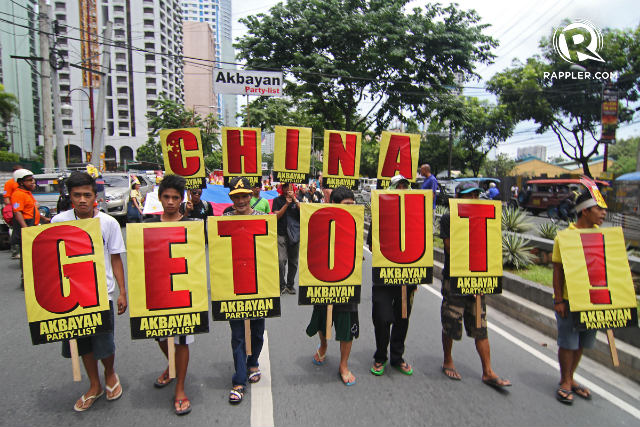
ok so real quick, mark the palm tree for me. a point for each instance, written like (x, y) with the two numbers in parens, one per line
(8, 106)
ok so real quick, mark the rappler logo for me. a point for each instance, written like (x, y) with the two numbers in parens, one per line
(582, 47)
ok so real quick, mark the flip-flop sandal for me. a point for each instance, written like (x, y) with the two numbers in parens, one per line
(321, 358)
(564, 399)
(112, 389)
(165, 378)
(255, 376)
(236, 395)
(452, 374)
(380, 371)
(497, 383)
(184, 411)
(345, 382)
(581, 391)
(400, 369)
(84, 400)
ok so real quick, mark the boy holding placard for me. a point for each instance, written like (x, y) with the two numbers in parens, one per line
(82, 192)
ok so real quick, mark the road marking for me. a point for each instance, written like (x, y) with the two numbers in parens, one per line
(261, 397)
(554, 364)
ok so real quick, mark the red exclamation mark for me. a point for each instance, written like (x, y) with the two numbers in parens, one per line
(593, 247)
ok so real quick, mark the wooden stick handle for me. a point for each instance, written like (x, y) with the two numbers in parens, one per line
(612, 347)
(404, 302)
(171, 354)
(478, 312)
(327, 332)
(75, 360)
(247, 336)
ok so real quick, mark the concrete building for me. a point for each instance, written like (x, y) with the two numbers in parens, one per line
(20, 77)
(199, 42)
(539, 151)
(145, 46)
(217, 13)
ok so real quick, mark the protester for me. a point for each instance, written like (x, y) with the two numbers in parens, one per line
(430, 182)
(571, 342)
(386, 312)
(316, 196)
(287, 208)
(10, 186)
(7, 209)
(134, 209)
(456, 308)
(303, 195)
(171, 194)
(344, 317)
(257, 202)
(246, 368)
(82, 192)
(197, 208)
(64, 201)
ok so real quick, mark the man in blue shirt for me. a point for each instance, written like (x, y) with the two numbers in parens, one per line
(430, 182)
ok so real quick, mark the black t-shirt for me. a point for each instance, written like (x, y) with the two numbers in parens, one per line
(292, 212)
(201, 210)
(444, 234)
(316, 197)
(158, 218)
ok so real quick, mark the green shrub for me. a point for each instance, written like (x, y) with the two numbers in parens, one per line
(515, 220)
(548, 230)
(6, 156)
(515, 252)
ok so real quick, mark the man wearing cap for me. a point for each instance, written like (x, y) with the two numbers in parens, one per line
(430, 182)
(315, 195)
(571, 343)
(7, 209)
(257, 202)
(246, 368)
(456, 308)
(287, 208)
(386, 312)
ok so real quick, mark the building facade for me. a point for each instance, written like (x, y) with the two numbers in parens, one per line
(539, 151)
(199, 42)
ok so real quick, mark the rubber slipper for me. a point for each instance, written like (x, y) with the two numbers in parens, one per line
(566, 398)
(345, 382)
(236, 395)
(112, 389)
(321, 358)
(496, 382)
(165, 378)
(184, 411)
(452, 374)
(380, 371)
(402, 371)
(84, 400)
(255, 376)
(581, 391)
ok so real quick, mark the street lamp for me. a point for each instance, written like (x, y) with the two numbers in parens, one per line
(69, 107)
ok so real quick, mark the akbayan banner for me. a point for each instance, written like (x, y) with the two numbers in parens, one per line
(330, 267)
(65, 291)
(244, 273)
(341, 165)
(292, 154)
(402, 239)
(241, 153)
(398, 155)
(167, 277)
(475, 246)
(182, 154)
(598, 278)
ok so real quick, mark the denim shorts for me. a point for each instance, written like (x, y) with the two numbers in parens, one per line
(101, 345)
(569, 338)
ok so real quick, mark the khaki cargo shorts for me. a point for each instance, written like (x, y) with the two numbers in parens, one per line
(457, 309)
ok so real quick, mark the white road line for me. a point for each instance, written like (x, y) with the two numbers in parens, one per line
(554, 364)
(261, 397)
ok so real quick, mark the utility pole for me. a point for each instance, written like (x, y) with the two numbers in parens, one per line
(450, 148)
(57, 118)
(45, 73)
(96, 149)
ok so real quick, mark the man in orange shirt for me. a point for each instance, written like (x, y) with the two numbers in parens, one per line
(10, 186)
(7, 210)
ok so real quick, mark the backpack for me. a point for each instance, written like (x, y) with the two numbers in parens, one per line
(7, 214)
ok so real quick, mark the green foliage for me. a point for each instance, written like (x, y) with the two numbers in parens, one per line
(6, 156)
(150, 152)
(571, 108)
(500, 167)
(213, 161)
(515, 220)
(438, 212)
(537, 273)
(339, 53)
(548, 230)
(515, 252)
(8, 106)
(625, 153)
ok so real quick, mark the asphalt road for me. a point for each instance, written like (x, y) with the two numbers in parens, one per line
(38, 386)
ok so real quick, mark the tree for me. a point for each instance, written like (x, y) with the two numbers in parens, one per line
(340, 53)
(169, 114)
(498, 167)
(8, 106)
(625, 152)
(571, 108)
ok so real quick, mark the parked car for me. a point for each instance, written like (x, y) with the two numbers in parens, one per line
(554, 196)
(47, 191)
(117, 192)
(447, 187)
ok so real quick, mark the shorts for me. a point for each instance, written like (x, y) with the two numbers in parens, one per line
(180, 339)
(569, 338)
(458, 308)
(345, 323)
(101, 345)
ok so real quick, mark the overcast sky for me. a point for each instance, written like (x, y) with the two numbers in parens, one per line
(518, 26)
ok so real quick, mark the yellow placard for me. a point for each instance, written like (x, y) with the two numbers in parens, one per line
(330, 266)
(475, 246)
(598, 277)
(292, 154)
(241, 153)
(402, 237)
(398, 155)
(182, 154)
(341, 164)
(243, 250)
(167, 275)
(65, 286)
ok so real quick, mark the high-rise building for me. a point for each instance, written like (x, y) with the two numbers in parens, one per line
(199, 42)
(20, 77)
(145, 63)
(539, 151)
(217, 13)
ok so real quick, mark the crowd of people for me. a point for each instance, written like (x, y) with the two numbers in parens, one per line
(389, 325)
